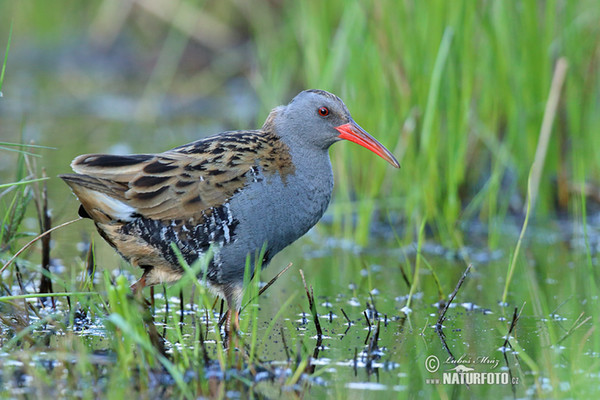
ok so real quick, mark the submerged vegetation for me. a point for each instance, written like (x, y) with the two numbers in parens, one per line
(492, 108)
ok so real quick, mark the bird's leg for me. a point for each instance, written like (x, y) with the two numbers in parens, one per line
(232, 326)
(233, 320)
(233, 297)
(152, 299)
(139, 285)
(156, 338)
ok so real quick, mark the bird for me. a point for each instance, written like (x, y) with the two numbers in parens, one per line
(233, 194)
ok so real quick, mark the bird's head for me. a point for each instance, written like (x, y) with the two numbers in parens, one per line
(320, 118)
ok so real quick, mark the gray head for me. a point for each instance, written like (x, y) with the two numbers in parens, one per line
(316, 118)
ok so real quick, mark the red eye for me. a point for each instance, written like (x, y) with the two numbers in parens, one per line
(323, 111)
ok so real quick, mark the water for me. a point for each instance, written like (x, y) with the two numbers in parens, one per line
(383, 347)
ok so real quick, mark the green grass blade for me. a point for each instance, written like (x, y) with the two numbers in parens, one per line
(5, 299)
(5, 57)
(434, 87)
(7, 185)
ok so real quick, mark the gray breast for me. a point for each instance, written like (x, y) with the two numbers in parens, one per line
(275, 211)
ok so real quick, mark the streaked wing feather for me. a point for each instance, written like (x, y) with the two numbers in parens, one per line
(185, 182)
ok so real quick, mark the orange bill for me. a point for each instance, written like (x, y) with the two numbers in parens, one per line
(354, 133)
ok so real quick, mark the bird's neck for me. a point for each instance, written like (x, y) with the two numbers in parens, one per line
(310, 162)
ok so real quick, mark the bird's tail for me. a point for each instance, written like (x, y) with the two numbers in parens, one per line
(101, 199)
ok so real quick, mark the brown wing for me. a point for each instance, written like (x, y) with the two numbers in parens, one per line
(183, 182)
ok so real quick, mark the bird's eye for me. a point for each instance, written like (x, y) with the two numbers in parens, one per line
(323, 111)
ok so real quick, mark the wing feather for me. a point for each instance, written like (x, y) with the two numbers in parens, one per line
(185, 182)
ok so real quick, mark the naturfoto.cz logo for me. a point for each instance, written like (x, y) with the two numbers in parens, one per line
(462, 374)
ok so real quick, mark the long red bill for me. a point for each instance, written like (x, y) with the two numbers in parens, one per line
(354, 133)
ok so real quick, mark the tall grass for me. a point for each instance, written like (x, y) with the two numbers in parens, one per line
(458, 88)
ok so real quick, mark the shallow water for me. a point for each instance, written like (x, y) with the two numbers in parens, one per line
(386, 345)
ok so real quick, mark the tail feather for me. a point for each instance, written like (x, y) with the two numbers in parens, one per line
(102, 200)
(125, 167)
